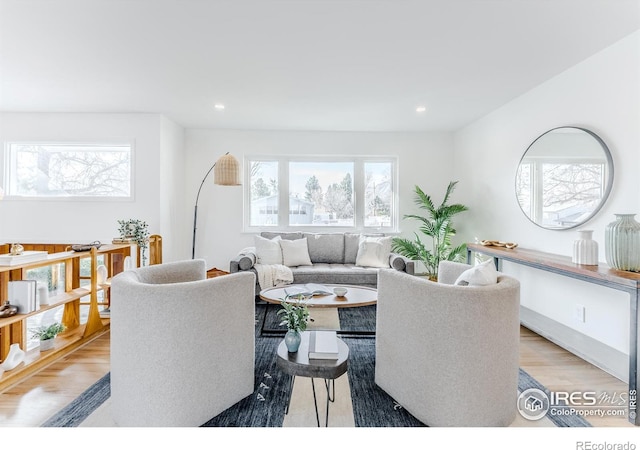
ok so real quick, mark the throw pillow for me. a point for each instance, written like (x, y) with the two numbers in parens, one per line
(373, 251)
(481, 275)
(268, 251)
(295, 253)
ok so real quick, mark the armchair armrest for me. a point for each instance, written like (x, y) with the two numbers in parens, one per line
(244, 261)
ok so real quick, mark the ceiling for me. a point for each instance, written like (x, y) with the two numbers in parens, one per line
(361, 65)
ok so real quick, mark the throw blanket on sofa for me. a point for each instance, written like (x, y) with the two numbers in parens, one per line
(270, 275)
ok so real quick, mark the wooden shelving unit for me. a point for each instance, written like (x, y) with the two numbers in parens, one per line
(14, 329)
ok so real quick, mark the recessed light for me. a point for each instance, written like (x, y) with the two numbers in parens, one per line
(421, 109)
(219, 106)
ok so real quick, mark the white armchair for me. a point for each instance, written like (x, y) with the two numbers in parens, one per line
(182, 345)
(449, 354)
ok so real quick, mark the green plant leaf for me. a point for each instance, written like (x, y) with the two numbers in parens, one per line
(436, 225)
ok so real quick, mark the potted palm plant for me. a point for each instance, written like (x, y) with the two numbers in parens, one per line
(46, 334)
(294, 315)
(437, 226)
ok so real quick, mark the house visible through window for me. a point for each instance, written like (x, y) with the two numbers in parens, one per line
(69, 170)
(321, 192)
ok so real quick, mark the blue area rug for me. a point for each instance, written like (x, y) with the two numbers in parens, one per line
(372, 407)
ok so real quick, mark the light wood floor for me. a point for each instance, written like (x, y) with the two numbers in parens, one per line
(31, 402)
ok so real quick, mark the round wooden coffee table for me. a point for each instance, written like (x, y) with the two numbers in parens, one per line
(299, 364)
(355, 296)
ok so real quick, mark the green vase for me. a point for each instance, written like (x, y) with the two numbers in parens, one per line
(622, 243)
(292, 340)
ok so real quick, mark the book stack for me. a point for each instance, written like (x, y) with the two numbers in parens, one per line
(323, 345)
(122, 241)
(23, 295)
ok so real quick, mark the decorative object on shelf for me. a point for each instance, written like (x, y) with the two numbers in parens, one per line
(509, 245)
(23, 294)
(7, 259)
(295, 315)
(102, 274)
(43, 294)
(622, 243)
(127, 263)
(436, 226)
(86, 247)
(8, 310)
(585, 249)
(226, 173)
(14, 357)
(16, 249)
(138, 233)
(46, 334)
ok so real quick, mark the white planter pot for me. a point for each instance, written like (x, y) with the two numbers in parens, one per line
(47, 344)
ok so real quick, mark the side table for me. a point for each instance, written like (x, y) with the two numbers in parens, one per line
(299, 364)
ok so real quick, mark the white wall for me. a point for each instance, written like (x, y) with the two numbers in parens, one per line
(601, 94)
(425, 159)
(174, 212)
(76, 221)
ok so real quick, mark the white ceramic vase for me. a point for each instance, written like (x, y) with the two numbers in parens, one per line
(43, 294)
(101, 272)
(14, 357)
(585, 249)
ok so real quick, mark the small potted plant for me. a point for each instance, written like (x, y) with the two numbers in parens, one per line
(294, 315)
(46, 334)
(138, 232)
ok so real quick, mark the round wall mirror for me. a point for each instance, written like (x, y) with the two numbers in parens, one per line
(564, 178)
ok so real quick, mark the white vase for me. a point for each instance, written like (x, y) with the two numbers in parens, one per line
(14, 357)
(101, 273)
(585, 249)
(46, 344)
(43, 294)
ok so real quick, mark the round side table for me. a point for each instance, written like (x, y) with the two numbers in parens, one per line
(299, 364)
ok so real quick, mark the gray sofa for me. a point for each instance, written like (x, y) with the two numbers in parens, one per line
(333, 256)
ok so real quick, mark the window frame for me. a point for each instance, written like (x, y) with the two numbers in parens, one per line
(283, 193)
(7, 176)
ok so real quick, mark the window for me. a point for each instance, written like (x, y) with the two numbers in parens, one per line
(346, 193)
(69, 170)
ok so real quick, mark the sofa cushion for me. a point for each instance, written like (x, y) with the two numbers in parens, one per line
(374, 251)
(481, 275)
(351, 242)
(247, 258)
(291, 236)
(336, 274)
(397, 262)
(268, 250)
(295, 253)
(326, 247)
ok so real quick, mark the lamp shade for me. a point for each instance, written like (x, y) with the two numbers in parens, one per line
(227, 171)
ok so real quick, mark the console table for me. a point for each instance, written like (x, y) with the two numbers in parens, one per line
(601, 274)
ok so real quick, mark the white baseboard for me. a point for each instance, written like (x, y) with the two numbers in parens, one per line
(595, 352)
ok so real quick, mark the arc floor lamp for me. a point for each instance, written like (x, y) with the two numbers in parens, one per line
(226, 173)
